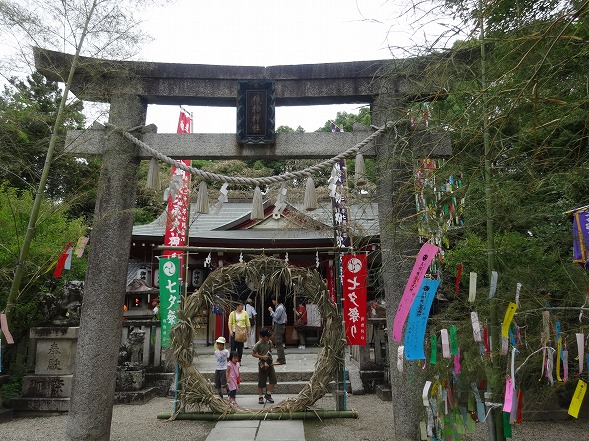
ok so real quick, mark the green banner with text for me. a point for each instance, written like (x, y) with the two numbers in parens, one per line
(170, 293)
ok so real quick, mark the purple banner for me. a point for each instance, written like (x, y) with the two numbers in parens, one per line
(581, 238)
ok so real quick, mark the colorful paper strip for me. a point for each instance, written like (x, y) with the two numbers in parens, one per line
(417, 322)
(508, 400)
(577, 399)
(5, 330)
(508, 318)
(422, 262)
(434, 349)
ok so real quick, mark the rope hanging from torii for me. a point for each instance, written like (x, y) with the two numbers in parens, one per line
(289, 176)
(202, 202)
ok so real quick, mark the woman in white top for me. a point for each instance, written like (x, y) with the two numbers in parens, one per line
(251, 312)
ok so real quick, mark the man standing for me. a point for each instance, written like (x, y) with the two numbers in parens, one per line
(279, 327)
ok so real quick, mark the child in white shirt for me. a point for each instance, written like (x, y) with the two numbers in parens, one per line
(221, 356)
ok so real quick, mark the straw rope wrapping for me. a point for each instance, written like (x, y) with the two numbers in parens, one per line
(209, 177)
(266, 275)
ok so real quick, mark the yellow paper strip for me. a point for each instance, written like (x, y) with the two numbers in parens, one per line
(577, 400)
(508, 318)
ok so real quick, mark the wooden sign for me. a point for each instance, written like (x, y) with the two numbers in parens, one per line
(255, 112)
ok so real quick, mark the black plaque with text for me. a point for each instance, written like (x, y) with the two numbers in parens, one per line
(255, 112)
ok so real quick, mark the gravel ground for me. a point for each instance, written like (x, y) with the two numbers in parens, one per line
(131, 423)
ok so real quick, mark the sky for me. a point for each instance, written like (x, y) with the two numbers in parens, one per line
(274, 32)
(268, 33)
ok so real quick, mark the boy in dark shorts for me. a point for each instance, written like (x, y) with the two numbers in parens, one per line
(262, 350)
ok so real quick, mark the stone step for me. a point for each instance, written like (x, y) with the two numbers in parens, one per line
(383, 392)
(161, 381)
(371, 378)
(290, 387)
(141, 396)
(284, 377)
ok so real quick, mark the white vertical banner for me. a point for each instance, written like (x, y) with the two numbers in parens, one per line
(400, 357)
(476, 327)
(445, 343)
(581, 348)
(493, 287)
(472, 287)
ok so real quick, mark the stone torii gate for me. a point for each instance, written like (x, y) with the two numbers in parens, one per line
(129, 87)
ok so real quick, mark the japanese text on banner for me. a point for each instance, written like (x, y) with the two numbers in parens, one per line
(354, 271)
(177, 220)
(170, 292)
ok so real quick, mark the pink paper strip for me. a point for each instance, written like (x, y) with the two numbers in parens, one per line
(5, 330)
(422, 262)
(508, 403)
(457, 367)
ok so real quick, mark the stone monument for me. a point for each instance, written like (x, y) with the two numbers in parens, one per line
(50, 388)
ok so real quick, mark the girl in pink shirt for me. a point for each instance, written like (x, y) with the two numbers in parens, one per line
(233, 378)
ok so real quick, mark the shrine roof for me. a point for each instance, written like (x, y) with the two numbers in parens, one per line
(233, 223)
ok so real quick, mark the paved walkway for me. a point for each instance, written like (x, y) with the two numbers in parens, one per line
(297, 361)
(258, 430)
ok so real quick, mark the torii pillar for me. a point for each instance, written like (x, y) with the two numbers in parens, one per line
(399, 245)
(93, 389)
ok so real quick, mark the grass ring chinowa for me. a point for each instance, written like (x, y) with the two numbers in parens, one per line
(264, 275)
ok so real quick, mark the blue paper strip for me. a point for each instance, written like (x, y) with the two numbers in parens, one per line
(417, 322)
(512, 338)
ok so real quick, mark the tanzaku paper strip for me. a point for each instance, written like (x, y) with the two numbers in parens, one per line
(422, 262)
(577, 400)
(508, 318)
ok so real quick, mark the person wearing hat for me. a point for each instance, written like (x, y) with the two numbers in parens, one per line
(262, 350)
(221, 356)
(251, 312)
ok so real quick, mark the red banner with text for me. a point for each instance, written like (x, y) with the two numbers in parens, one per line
(178, 203)
(354, 275)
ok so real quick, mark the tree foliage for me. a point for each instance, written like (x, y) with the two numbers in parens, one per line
(530, 95)
(54, 231)
(29, 109)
